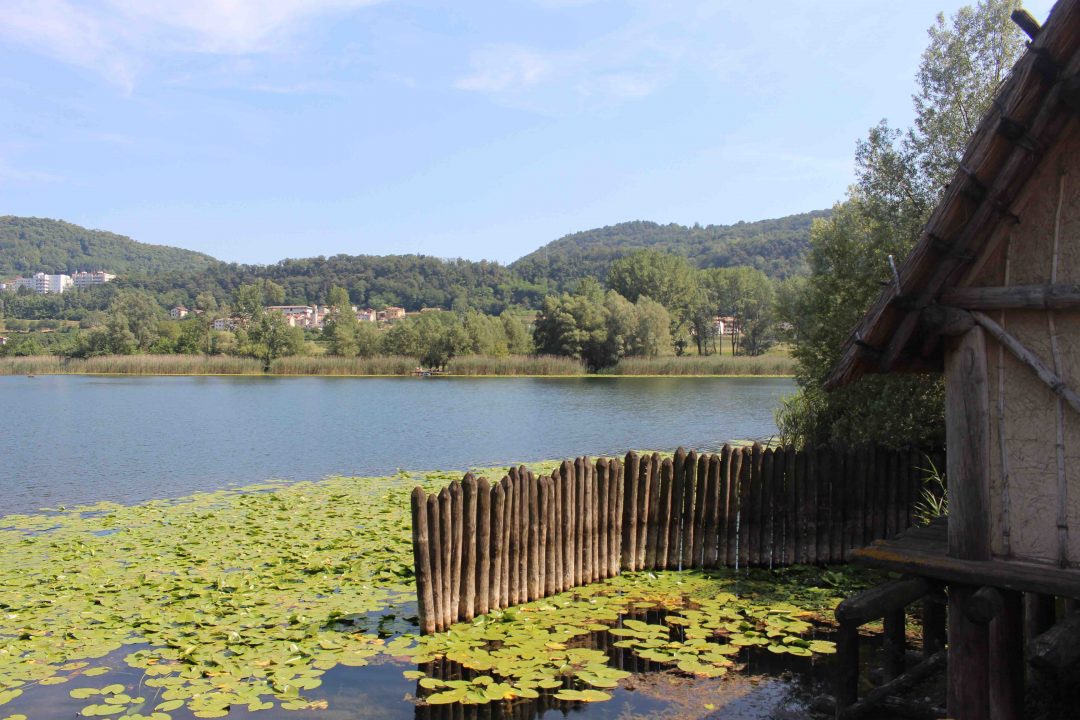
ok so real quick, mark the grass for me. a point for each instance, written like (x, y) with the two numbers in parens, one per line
(471, 365)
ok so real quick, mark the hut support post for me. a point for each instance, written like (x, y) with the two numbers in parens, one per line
(967, 413)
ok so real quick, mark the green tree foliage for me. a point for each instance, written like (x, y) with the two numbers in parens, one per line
(600, 328)
(748, 296)
(342, 326)
(668, 279)
(900, 177)
(518, 339)
(29, 245)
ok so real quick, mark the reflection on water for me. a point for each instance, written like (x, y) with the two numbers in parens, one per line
(78, 439)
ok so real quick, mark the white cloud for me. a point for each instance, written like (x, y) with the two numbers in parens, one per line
(505, 68)
(116, 38)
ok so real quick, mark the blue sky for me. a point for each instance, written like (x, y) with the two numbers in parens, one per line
(256, 130)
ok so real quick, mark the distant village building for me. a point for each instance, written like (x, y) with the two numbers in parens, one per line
(44, 284)
(302, 316)
(391, 314)
(3, 340)
(178, 313)
(84, 279)
(224, 324)
(368, 315)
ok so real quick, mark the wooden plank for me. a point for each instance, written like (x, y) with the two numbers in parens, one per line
(446, 528)
(880, 487)
(515, 549)
(436, 544)
(483, 546)
(967, 430)
(713, 533)
(654, 512)
(468, 548)
(746, 505)
(498, 545)
(663, 534)
(933, 624)
(425, 603)
(1058, 296)
(1039, 612)
(846, 677)
(851, 469)
(533, 566)
(553, 572)
(525, 518)
(824, 508)
(674, 546)
(791, 514)
(686, 519)
(629, 510)
(865, 494)
(556, 530)
(916, 461)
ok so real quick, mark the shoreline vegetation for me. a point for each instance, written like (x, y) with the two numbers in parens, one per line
(328, 366)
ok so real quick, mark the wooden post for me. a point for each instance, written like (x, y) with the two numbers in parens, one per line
(422, 561)
(801, 521)
(483, 546)
(689, 484)
(791, 512)
(746, 505)
(515, 550)
(435, 545)
(773, 544)
(838, 501)
(933, 622)
(824, 512)
(701, 507)
(730, 480)
(603, 490)
(617, 499)
(654, 512)
(865, 495)
(851, 505)
(468, 548)
(1039, 614)
(525, 518)
(457, 527)
(762, 465)
(506, 570)
(847, 666)
(580, 516)
(534, 566)
(1007, 659)
(810, 508)
(894, 643)
(664, 533)
(498, 512)
(713, 532)
(674, 546)
(967, 413)
(555, 572)
(768, 470)
(447, 528)
(890, 495)
(569, 493)
(585, 517)
(629, 510)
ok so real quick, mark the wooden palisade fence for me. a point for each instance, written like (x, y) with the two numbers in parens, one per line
(479, 546)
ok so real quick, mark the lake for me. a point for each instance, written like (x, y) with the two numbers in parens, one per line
(69, 439)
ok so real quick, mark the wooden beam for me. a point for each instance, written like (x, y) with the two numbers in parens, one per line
(911, 678)
(944, 320)
(967, 436)
(985, 604)
(876, 602)
(1026, 22)
(1055, 383)
(1007, 659)
(1057, 296)
(969, 665)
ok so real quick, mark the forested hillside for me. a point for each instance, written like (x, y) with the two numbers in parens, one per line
(776, 247)
(29, 245)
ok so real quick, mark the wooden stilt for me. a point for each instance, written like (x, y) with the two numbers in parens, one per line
(1007, 659)
(422, 561)
(468, 548)
(629, 513)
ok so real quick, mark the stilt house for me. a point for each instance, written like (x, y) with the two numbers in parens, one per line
(990, 296)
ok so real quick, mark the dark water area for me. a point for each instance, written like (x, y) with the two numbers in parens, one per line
(67, 440)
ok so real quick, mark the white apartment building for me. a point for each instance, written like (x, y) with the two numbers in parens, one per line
(44, 284)
(84, 279)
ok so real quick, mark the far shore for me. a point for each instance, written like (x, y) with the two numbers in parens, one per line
(771, 365)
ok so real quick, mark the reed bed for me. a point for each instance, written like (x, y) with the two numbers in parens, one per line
(131, 365)
(708, 365)
(343, 366)
(515, 365)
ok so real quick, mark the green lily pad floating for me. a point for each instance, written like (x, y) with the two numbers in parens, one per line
(245, 598)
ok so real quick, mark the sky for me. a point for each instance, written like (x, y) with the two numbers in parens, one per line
(257, 130)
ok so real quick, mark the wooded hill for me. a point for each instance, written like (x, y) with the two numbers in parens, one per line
(29, 245)
(776, 247)
(176, 276)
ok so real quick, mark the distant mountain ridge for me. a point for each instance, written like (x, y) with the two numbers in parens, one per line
(30, 244)
(776, 246)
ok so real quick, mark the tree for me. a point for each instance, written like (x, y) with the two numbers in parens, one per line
(341, 326)
(746, 295)
(270, 337)
(517, 337)
(652, 334)
(899, 177)
(668, 279)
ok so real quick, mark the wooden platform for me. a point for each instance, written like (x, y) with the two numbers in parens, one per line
(924, 551)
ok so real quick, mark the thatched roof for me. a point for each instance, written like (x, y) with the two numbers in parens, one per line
(1028, 114)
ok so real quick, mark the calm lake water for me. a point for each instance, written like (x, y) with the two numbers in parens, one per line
(68, 440)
